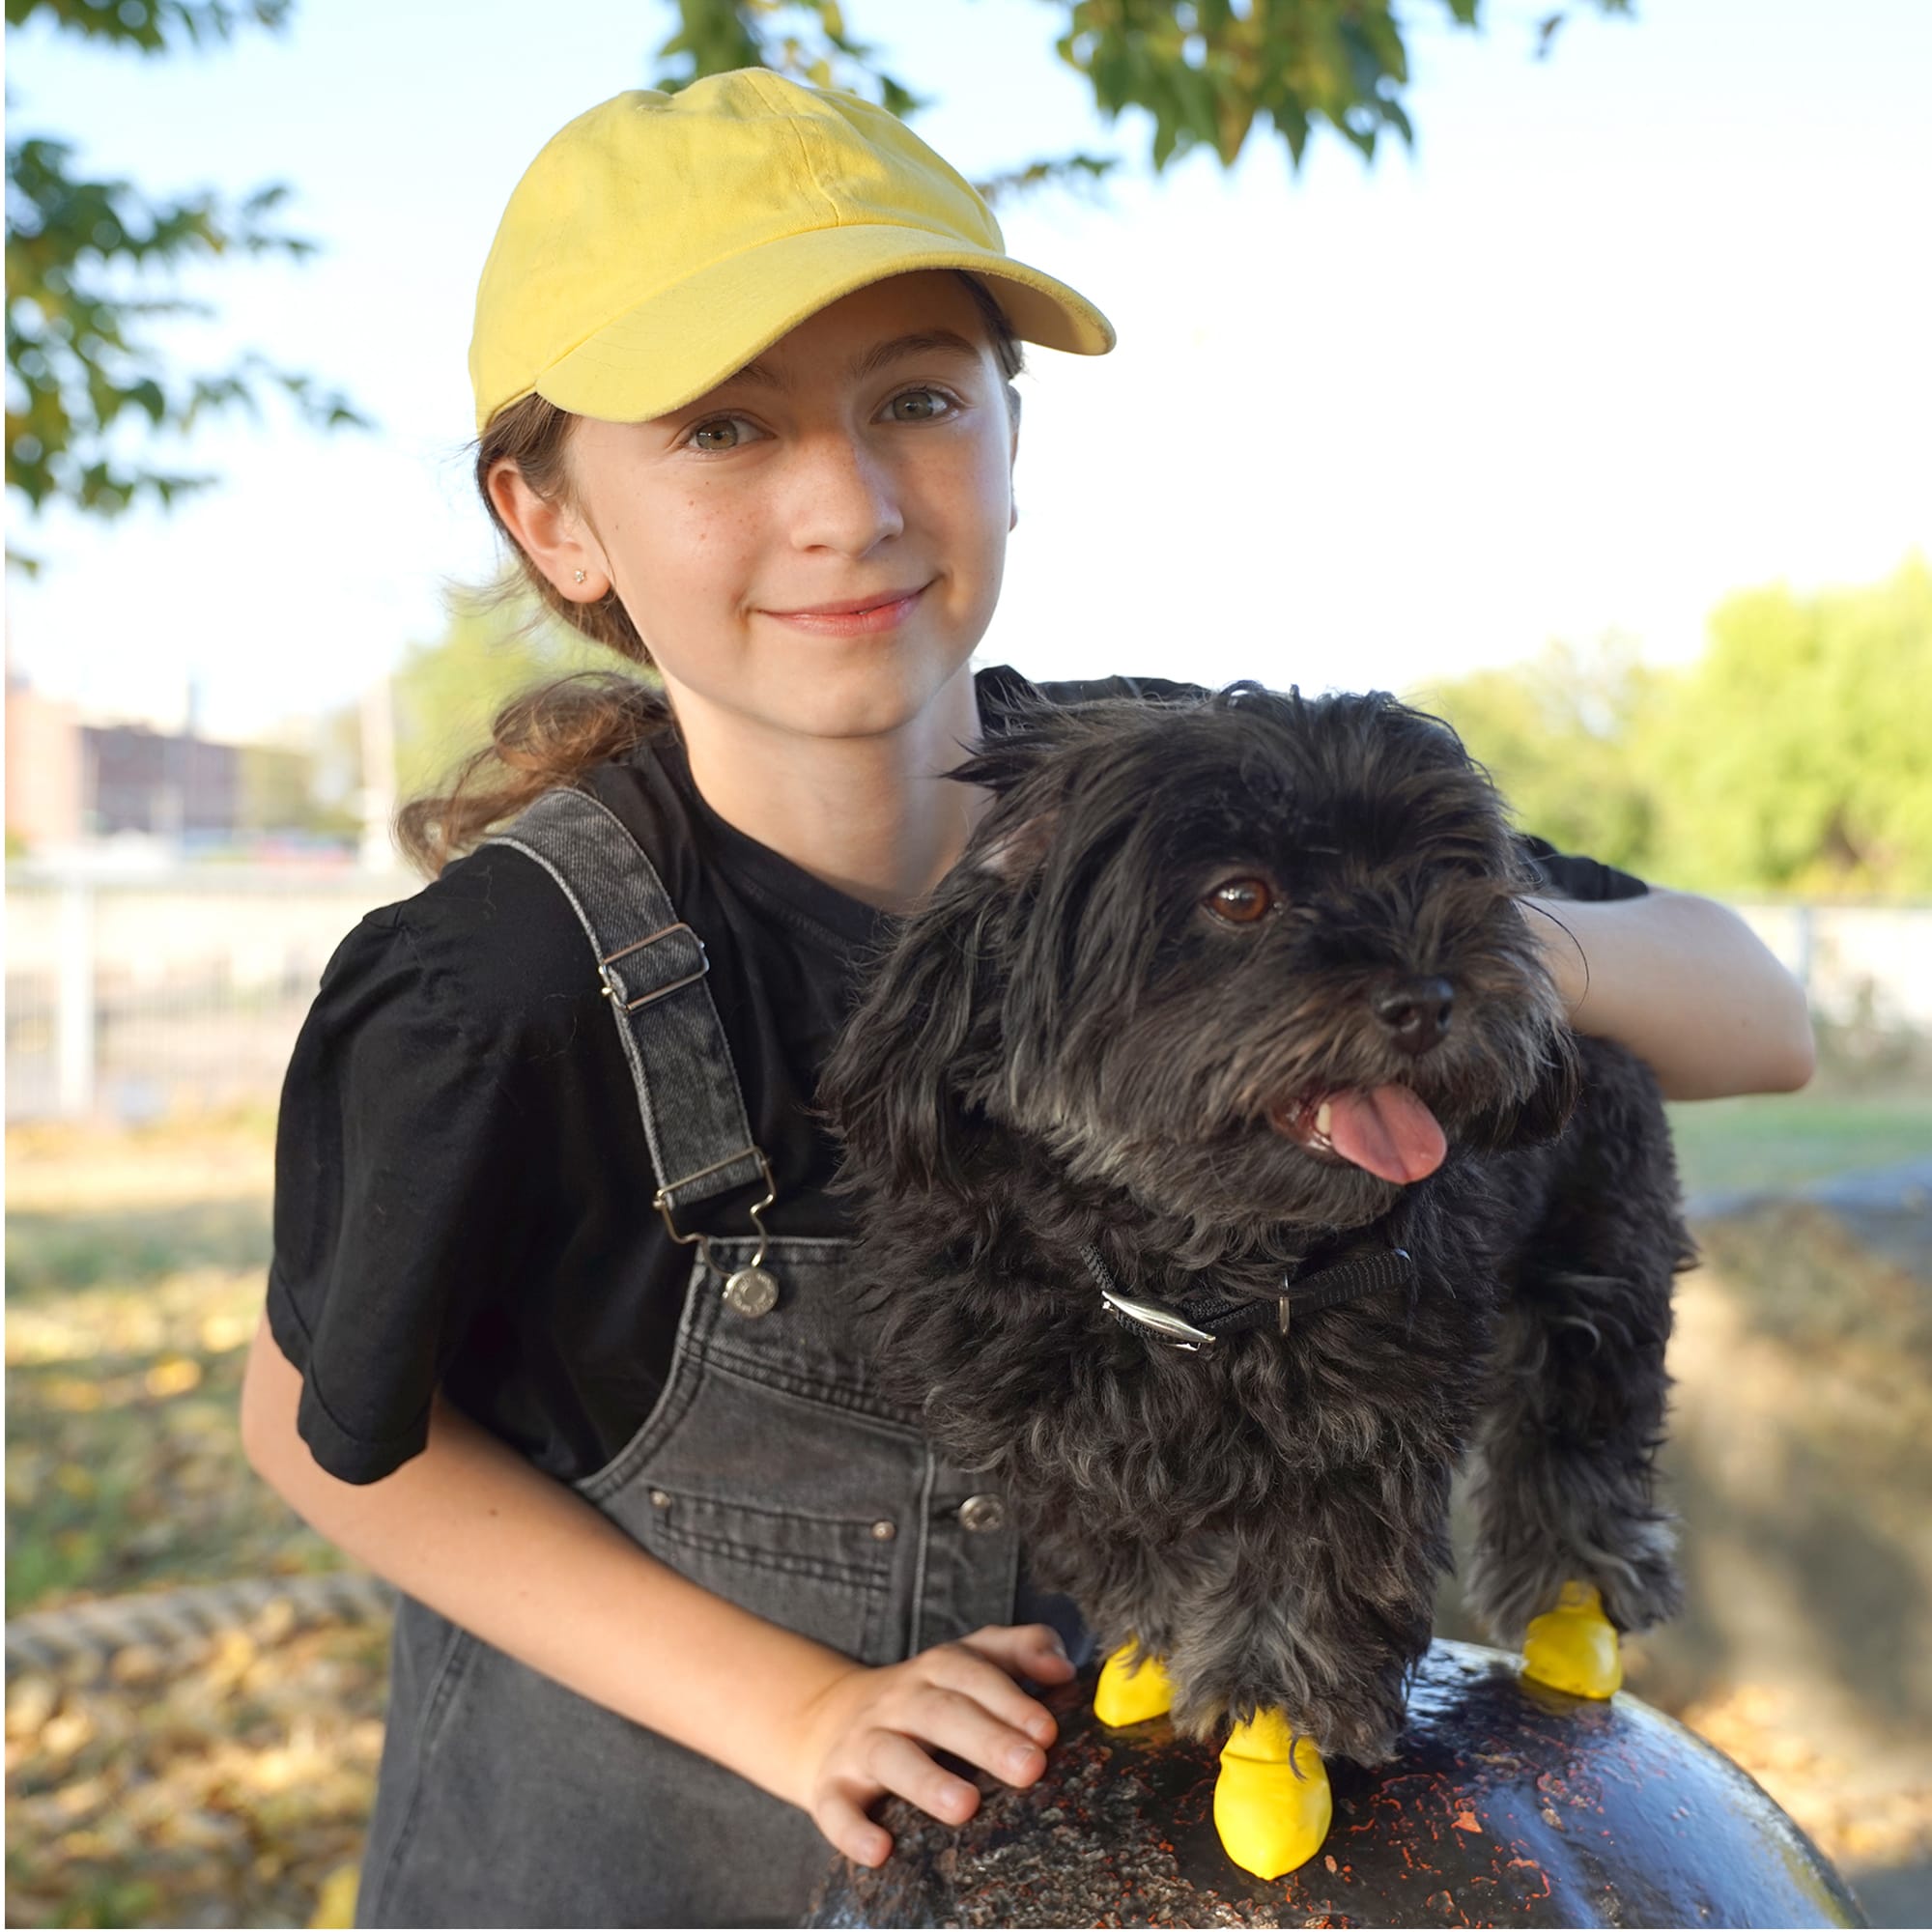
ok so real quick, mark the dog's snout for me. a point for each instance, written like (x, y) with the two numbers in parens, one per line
(1415, 1010)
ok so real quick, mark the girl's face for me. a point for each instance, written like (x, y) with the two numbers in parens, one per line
(866, 458)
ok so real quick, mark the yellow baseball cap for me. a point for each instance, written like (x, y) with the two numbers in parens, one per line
(662, 241)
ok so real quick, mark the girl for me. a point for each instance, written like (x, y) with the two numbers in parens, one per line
(555, 1337)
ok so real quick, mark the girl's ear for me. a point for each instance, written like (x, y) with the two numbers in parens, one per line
(549, 534)
(891, 1090)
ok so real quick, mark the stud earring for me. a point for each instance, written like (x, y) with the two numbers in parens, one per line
(579, 575)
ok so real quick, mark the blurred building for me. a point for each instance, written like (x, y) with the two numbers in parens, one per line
(67, 781)
(44, 791)
(135, 779)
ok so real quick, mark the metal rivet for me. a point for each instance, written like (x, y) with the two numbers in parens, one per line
(983, 1513)
(752, 1292)
(660, 1500)
(883, 1531)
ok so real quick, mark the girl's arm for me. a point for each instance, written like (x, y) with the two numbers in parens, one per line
(1683, 983)
(470, 1528)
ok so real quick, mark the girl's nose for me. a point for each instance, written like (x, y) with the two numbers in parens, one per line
(845, 495)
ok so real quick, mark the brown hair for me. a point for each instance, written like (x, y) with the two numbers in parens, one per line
(555, 732)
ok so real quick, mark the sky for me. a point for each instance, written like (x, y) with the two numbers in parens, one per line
(1629, 330)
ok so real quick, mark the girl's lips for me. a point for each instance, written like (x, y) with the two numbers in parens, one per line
(851, 623)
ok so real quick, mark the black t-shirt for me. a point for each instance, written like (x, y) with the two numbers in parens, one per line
(462, 1186)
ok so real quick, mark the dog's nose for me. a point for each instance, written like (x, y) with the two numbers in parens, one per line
(1415, 1010)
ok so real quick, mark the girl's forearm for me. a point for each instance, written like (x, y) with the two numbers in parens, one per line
(1685, 985)
(474, 1532)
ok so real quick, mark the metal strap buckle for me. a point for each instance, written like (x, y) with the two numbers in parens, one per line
(661, 1201)
(612, 991)
(1176, 1330)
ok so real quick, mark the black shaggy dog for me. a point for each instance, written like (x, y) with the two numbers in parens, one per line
(1226, 1169)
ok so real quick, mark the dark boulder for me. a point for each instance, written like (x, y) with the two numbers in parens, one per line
(1508, 1804)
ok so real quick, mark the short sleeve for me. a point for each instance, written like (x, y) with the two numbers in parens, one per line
(398, 1171)
(1572, 877)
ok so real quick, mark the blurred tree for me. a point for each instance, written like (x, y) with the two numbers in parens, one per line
(808, 41)
(444, 694)
(1563, 737)
(1796, 754)
(1205, 70)
(276, 790)
(1794, 757)
(77, 252)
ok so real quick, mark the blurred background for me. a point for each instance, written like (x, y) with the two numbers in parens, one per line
(1560, 364)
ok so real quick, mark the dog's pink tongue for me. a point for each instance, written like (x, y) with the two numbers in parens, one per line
(1387, 1130)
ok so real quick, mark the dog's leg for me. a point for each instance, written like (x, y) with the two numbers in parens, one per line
(1301, 1628)
(1272, 1807)
(1125, 1589)
(1308, 1649)
(1571, 1545)
(1320, 1610)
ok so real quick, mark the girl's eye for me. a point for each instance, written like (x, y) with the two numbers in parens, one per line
(1241, 901)
(938, 397)
(715, 426)
(929, 405)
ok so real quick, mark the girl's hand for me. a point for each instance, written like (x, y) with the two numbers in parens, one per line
(865, 1734)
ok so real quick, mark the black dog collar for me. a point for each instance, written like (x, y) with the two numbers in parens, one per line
(1205, 1315)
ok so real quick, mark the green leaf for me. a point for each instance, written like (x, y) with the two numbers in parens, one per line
(154, 27)
(75, 347)
(1082, 172)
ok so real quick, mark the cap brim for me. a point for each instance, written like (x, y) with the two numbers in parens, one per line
(673, 348)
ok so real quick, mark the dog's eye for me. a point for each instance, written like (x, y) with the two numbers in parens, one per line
(1241, 901)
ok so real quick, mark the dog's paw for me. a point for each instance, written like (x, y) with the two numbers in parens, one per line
(1363, 1727)
(1648, 1589)
(1272, 1805)
(1124, 1699)
(1573, 1647)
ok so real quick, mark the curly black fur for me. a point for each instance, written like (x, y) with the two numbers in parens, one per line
(1069, 1044)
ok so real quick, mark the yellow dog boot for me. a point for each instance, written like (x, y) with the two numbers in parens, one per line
(1121, 1698)
(1272, 1810)
(1573, 1647)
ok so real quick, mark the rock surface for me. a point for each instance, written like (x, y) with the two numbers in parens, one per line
(1507, 1805)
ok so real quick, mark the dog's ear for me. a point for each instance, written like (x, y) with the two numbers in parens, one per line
(1016, 852)
(1026, 771)
(887, 1092)
(1542, 1113)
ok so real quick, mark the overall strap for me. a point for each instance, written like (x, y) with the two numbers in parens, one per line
(653, 967)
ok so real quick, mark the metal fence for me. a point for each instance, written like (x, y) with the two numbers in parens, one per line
(137, 996)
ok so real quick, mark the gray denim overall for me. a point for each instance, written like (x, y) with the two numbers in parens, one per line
(771, 1470)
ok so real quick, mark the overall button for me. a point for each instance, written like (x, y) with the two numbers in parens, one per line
(752, 1292)
(884, 1530)
(983, 1513)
